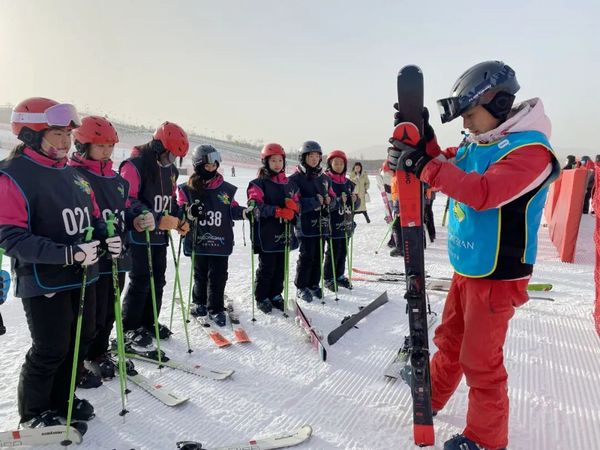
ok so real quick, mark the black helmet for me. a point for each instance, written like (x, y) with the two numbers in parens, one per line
(205, 154)
(492, 84)
(309, 147)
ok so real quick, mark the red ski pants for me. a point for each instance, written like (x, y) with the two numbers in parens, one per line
(470, 340)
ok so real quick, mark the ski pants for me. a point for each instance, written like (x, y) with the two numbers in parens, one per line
(137, 303)
(270, 275)
(308, 268)
(339, 259)
(45, 378)
(470, 341)
(210, 278)
(105, 314)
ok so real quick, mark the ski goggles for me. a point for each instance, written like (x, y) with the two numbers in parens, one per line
(211, 158)
(61, 115)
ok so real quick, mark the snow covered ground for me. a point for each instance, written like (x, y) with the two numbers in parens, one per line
(552, 355)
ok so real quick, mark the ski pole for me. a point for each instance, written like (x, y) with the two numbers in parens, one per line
(87, 237)
(193, 264)
(153, 294)
(110, 227)
(253, 287)
(321, 255)
(387, 233)
(332, 258)
(177, 290)
(2, 327)
(286, 268)
(445, 211)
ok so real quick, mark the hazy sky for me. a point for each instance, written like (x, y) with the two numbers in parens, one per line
(288, 71)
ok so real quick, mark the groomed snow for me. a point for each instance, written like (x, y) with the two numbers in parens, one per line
(552, 355)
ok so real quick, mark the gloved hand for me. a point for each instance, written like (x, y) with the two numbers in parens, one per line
(114, 246)
(428, 132)
(85, 254)
(284, 213)
(168, 222)
(344, 197)
(405, 157)
(388, 219)
(293, 205)
(4, 285)
(248, 209)
(195, 211)
(183, 228)
(144, 221)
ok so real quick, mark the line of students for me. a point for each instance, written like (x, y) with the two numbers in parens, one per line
(51, 200)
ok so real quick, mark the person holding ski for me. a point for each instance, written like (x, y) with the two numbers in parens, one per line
(95, 140)
(211, 209)
(152, 178)
(47, 209)
(342, 222)
(361, 182)
(315, 195)
(276, 207)
(492, 236)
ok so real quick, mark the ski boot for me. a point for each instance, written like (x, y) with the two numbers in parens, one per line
(304, 294)
(330, 285)
(218, 318)
(163, 331)
(45, 419)
(396, 252)
(316, 292)
(277, 302)
(264, 305)
(460, 442)
(199, 310)
(344, 282)
(87, 379)
(102, 366)
(82, 410)
(140, 337)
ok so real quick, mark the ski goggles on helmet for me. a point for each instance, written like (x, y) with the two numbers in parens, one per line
(211, 158)
(61, 115)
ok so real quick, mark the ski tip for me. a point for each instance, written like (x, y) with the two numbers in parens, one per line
(307, 429)
(423, 435)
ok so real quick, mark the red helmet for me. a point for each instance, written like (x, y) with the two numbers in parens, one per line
(270, 150)
(173, 138)
(337, 154)
(39, 114)
(95, 130)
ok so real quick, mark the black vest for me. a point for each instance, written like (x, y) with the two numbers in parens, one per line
(59, 207)
(111, 194)
(214, 232)
(342, 223)
(269, 232)
(158, 197)
(309, 186)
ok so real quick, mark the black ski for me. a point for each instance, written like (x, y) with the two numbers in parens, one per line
(410, 196)
(351, 321)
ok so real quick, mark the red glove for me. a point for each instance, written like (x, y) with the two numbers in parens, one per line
(284, 213)
(291, 204)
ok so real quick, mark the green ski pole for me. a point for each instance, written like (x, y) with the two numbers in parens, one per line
(153, 293)
(193, 262)
(252, 265)
(332, 258)
(87, 237)
(321, 256)
(286, 269)
(177, 289)
(121, 363)
(387, 233)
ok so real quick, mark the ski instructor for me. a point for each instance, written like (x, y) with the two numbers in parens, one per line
(497, 181)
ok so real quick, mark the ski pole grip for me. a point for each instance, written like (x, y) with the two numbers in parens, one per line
(1, 255)
(88, 232)
(110, 224)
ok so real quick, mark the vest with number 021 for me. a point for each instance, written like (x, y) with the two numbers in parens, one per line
(157, 196)
(59, 207)
(498, 243)
(213, 231)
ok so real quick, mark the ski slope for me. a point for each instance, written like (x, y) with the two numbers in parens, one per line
(552, 355)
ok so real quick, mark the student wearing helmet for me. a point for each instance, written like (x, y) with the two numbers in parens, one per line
(492, 236)
(341, 221)
(316, 197)
(276, 206)
(210, 207)
(152, 178)
(45, 210)
(95, 140)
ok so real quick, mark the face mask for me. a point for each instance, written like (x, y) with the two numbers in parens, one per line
(168, 160)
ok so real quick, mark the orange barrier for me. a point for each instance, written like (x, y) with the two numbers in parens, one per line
(596, 205)
(565, 208)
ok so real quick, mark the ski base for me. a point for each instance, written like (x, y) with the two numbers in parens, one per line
(312, 334)
(55, 434)
(194, 369)
(283, 440)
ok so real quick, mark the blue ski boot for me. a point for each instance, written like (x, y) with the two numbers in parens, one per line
(460, 442)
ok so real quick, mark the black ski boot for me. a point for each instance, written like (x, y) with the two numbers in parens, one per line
(163, 331)
(304, 294)
(199, 310)
(103, 366)
(316, 292)
(460, 442)
(82, 410)
(140, 337)
(344, 282)
(329, 285)
(277, 302)
(88, 379)
(219, 318)
(264, 305)
(45, 419)
(396, 252)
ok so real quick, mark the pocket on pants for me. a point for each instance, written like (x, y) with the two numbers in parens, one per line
(504, 296)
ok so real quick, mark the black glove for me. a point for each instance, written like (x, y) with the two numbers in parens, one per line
(404, 157)
(195, 211)
(428, 132)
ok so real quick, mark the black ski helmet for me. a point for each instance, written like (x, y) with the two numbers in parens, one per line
(205, 154)
(492, 84)
(309, 147)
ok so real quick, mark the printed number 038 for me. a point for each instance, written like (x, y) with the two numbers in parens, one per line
(212, 218)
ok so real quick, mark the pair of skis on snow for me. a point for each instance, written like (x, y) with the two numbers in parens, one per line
(239, 334)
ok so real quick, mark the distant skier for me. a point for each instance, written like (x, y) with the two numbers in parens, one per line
(342, 222)
(233, 171)
(45, 210)
(211, 209)
(152, 178)
(497, 185)
(361, 180)
(275, 200)
(312, 228)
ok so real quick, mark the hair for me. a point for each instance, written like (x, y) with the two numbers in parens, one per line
(196, 184)
(359, 164)
(17, 151)
(148, 154)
